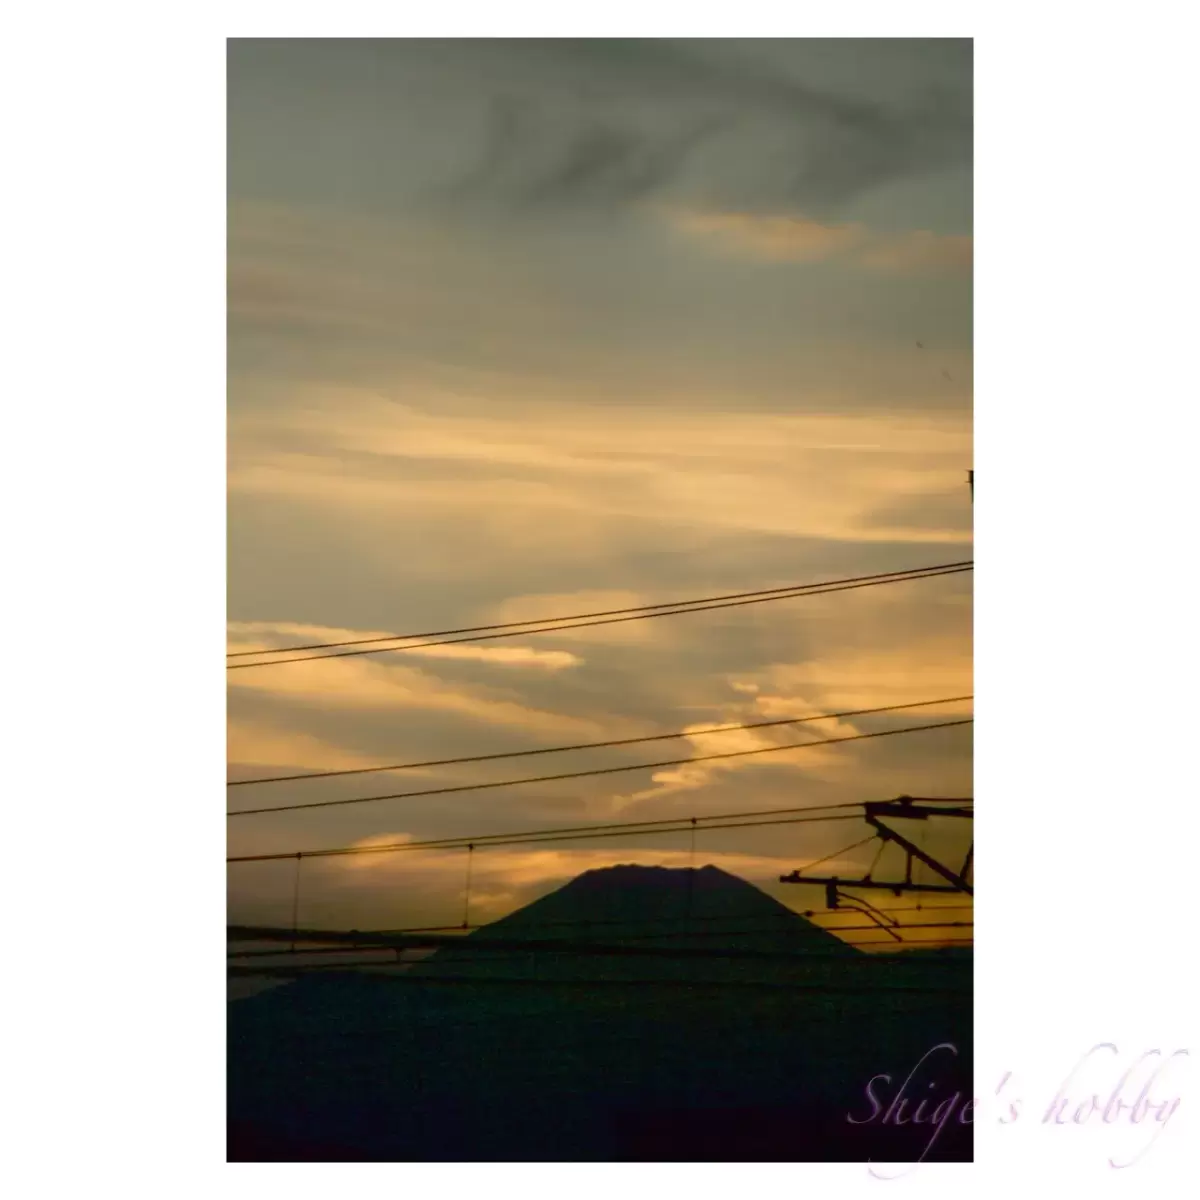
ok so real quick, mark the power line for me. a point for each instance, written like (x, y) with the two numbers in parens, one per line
(641, 614)
(526, 840)
(927, 908)
(777, 928)
(675, 762)
(554, 946)
(611, 612)
(485, 839)
(571, 833)
(935, 943)
(238, 933)
(779, 920)
(844, 850)
(657, 737)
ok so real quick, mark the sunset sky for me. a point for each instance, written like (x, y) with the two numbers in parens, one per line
(519, 329)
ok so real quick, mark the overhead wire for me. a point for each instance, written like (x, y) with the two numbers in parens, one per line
(838, 853)
(610, 612)
(238, 933)
(556, 944)
(469, 943)
(634, 741)
(809, 813)
(474, 787)
(679, 608)
(531, 841)
(523, 835)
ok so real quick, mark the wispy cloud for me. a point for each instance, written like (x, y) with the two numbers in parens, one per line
(789, 238)
(264, 744)
(269, 635)
(603, 124)
(358, 683)
(691, 777)
(557, 474)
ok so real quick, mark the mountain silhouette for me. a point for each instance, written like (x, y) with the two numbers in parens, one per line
(634, 1014)
(664, 904)
(638, 923)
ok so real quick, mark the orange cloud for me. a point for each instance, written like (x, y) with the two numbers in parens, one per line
(842, 681)
(268, 635)
(798, 474)
(255, 744)
(793, 238)
(776, 238)
(358, 683)
(692, 776)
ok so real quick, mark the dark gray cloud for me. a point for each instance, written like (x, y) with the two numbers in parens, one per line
(601, 124)
(591, 162)
(576, 127)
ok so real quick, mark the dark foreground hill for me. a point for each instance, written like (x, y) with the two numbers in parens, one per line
(635, 1014)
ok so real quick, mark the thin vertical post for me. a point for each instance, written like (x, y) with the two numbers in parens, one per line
(691, 875)
(466, 922)
(296, 903)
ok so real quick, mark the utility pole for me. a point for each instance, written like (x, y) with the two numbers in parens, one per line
(905, 808)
